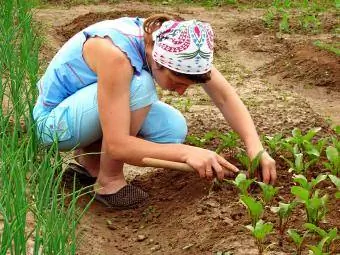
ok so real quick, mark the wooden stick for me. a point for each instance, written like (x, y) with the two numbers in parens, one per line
(153, 162)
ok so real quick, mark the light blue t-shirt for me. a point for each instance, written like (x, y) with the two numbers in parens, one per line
(68, 71)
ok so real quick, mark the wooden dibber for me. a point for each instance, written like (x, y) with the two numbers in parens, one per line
(153, 162)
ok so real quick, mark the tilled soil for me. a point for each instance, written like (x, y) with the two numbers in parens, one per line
(188, 215)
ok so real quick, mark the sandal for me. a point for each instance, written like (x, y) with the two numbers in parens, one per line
(128, 197)
(81, 173)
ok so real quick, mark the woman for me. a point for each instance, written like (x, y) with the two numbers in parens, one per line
(98, 95)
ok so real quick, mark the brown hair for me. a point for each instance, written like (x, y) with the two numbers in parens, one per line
(154, 22)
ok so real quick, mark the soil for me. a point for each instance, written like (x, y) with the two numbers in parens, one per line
(284, 81)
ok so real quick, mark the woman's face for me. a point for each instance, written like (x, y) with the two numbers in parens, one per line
(168, 80)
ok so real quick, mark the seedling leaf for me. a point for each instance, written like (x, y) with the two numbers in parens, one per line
(300, 192)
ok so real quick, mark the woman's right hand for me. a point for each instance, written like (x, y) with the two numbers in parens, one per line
(209, 164)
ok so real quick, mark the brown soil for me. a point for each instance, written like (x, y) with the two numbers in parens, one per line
(186, 215)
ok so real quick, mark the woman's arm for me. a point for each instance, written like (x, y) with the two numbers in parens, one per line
(114, 76)
(237, 115)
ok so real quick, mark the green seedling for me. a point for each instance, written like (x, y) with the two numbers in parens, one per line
(315, 206)
(227, 140)
(284, 23)
(201, 142)
(329, 236)
(318, 250)
(297, 239)
(335, 142)
(273, 143)
(303, 182)
(255, 208)
(299, 139)
(299, 165)
(336, 182)
(268, 191)
(242, 183)
(250, 165)
(314, 150)
(333, 163)
(284, 211)
(259, 232)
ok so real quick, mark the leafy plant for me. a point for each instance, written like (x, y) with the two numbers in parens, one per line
(274, 143)
(315, 206)
(299, 165)
(255, 208)
(299, 139)
(284, 211)
(227, 140)
(333, 163)
(259, 232)
(328, 237)
(302, 180)
(284, 23)
(318, 250)
(336, 182)
(201, 142)
(297, 239)
(268, 191)
(242, 183)
(250, 165)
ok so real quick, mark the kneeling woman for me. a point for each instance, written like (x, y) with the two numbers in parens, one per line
(98, 95)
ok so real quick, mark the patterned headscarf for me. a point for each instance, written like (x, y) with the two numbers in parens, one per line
(184, 46)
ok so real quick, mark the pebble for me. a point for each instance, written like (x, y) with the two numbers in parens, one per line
(156, 248)
(199, 211)
(141, 238)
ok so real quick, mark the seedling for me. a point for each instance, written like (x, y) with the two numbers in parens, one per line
(336, 182)
(315, 206)
(333, 163)
(302, 180)
(228, 140)
(250, 165)
(242, 183)
(255, 208)
(318, 250)
(284, 211)
(329, 236)
(268, 191)
(201, 142)
(259, 232)
(274, 143)
(297, 239)
(314, 150)
(299, 166)
(299, 139)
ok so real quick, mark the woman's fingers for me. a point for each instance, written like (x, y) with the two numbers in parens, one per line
(227, 164)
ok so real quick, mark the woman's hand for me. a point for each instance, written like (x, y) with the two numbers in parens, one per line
(207, 163)
(268, 167)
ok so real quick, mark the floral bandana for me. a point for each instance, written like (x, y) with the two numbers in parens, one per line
(184, 46)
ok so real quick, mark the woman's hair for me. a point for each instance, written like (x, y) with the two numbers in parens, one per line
(153, 23)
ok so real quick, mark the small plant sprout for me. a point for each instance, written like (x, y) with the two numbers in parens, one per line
(336, 182)
(227, 140)
(315, 206)
(297, 239)
(273, 143)
(299, 140)
(250, 165)
(255, 208)
(318, 250)
(303, 182)
(260, 232)
(328, 237)
(242, 183)
(333, 163)
(284, 211)
(268, 191)
(299, 165)
(201, 142)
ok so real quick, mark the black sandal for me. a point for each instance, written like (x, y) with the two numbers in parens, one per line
(128, 197)
(81, 173)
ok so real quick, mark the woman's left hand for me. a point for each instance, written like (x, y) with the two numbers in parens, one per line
(268, 167)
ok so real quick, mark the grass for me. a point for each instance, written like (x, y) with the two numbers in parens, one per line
(330, 47)
(33, 203)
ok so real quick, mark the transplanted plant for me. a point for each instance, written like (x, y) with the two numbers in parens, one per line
(201, 142)
(318, 250)
(328, 237)
(299, 165)
(299, 139)
(227, 140)
(303, 182)
(255, 208)
(242, 183)
(260, 232)
(268, 192)
(297, 239)
(333, 163)
(284, 212)
(250, 165)
(273, 143)
(315, 205)
(336, 182)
